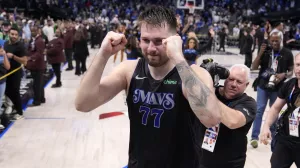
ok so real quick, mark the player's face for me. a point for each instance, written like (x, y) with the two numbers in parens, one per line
(297, 66)
(236, 83)
(151, 44)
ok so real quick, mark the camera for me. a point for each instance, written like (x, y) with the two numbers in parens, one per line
(268, 50)
(216, 71)
(269, 75)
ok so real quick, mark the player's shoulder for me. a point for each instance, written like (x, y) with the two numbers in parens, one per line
(128, 64)
(196, 67)
(127, 67)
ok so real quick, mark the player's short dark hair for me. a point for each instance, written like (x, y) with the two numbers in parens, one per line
(158, 16)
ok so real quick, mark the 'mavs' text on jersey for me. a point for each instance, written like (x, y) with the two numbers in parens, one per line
(166, 100)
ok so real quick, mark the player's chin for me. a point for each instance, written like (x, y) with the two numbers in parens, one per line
(154, 63)
(157, 61)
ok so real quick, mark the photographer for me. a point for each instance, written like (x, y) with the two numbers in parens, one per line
(236, 121)
(276, 64)
(287, 146)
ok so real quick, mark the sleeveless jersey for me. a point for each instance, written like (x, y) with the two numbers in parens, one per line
(163, 128)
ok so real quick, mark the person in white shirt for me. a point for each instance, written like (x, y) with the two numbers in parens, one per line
(236, 31)
(48, 30)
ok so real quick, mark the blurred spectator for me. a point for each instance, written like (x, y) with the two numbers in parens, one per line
(4, 67)
(37, 65)
(48, 30)
(132, 48)
(80, 52)
(56, 56)
(16, 52)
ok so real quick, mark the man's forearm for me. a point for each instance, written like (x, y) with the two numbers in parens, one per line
(21, 60)
(271, 117)
(256, 62)
(199, 94)
(91, 80)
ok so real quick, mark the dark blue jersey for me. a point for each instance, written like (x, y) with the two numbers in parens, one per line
(163, 128)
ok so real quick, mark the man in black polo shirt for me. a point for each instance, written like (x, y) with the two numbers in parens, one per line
(16, 53)
(277, 62)
(225, 145)
(286, 150)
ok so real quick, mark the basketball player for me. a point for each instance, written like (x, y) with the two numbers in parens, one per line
(166, 97)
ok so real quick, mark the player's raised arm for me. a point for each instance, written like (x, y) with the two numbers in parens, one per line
(197, 85)
(95, 90)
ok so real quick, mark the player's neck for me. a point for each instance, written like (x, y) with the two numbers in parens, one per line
(159, 73)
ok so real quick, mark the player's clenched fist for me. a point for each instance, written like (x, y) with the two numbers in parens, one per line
(173, 45)
(112, 43)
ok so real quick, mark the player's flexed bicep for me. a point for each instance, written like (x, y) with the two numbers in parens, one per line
(116, 81)
(197, 84)
(91, 94)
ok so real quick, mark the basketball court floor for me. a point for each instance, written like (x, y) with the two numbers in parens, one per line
(55, 135)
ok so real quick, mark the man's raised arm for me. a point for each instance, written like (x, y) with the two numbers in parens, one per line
(95, 91)
(197, 85)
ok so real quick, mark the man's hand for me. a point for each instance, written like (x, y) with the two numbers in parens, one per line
(173, 45)
(279, 77)
(265, 135)
(2, 52)
(112, 43)
(10, 55)
(263, 48)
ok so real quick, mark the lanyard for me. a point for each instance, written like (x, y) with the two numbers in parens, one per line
(274, 58)
(290, 97)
